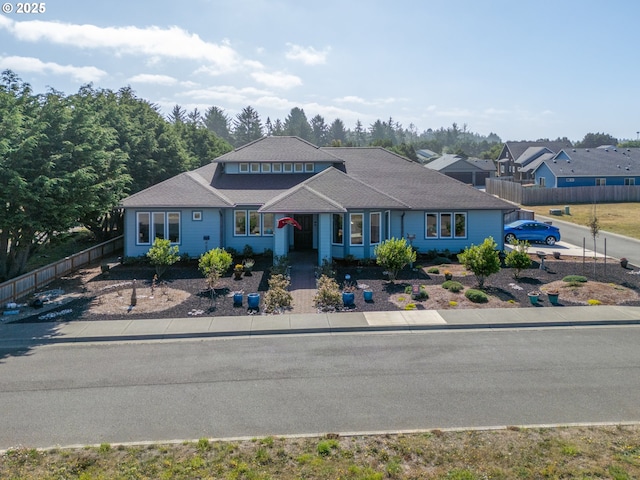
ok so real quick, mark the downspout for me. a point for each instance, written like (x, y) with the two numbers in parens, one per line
(402, 225)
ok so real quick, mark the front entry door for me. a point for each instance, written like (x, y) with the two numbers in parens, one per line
(303, 239)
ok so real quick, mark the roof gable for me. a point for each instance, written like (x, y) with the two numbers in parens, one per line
(278, 149)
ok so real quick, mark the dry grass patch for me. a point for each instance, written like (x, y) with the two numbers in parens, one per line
(442, 299)
(605, 293)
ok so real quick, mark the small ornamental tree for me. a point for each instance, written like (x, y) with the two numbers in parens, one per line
(518, 258)
(483, 260)
(393, 255)
(213, 264)
(162, 255)
(278, 298)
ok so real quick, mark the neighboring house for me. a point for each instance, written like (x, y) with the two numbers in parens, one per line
(473, 171)
(345, 201)
(580, 167)
(425, 155)
(516, 155)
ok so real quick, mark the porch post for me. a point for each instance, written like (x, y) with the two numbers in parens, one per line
(324, 237)
(280, 238)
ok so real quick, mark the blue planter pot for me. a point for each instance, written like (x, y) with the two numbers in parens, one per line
(237, 298)
(533, 299)
(368, 295)
(253, 300)
(348, 298)
(553, 298)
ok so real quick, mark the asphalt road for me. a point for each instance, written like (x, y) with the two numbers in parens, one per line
(89, 394)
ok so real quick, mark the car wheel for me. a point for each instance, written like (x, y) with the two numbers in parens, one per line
(550, 240)
(510, 238)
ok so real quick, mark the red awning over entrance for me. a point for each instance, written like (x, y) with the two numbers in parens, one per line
(288, 221)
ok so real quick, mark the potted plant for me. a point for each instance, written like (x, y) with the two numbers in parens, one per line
(624, 262)
(533, 297)
(448, 275)
(237, 271)
(348, 294)
(556, 255)
(553, 296)
(248, 264)
(367, 295)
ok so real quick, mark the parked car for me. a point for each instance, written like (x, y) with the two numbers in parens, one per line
(532, 231)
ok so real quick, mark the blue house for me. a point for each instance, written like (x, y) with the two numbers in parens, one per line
(582, 167)
(283, 193)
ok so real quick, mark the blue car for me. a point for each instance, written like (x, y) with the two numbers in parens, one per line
(532, 231)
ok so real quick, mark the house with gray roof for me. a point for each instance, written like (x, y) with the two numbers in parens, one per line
(580, 167)
(473, 171)
(283, 194)
(514, 156)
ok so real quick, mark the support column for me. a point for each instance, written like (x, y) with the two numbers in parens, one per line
(324, 237)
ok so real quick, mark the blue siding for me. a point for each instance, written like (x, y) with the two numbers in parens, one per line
(591, 181)
(543, 171)
(191, 232)
(257, 242)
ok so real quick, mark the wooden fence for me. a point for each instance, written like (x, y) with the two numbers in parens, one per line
(534, 195)
(17, 287)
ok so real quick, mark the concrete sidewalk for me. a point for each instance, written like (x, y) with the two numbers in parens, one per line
(31, 334)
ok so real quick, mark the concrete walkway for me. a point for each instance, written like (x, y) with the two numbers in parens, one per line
(33, 334)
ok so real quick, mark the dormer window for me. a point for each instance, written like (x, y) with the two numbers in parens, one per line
(308, 167)
(255, 168)
(244, 168)
(266, 168)
(297, 167)
(287, 167)
(276, 167)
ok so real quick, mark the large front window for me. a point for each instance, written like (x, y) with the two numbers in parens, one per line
(356, 228)
(162, 225)
(445, 225)
(338, 228)
(268, 223)
(254, 223)
(374, 228)
(240, 222)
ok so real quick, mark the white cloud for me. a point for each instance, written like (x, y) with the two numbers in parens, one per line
(35, 65)
(226, 93)
(361, 101)
(154, 42)
(277, 79)
(307, 55)
(165, 80)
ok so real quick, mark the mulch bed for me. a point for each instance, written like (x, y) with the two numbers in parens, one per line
(201, 302)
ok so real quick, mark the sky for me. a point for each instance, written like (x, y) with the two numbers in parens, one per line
(524, 69)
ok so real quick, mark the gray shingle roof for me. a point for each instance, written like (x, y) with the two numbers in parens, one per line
(518, 148)
(531, 166)
(588, 162)
(331, 191)
(531, 154)
(278, 149)
(361, 178)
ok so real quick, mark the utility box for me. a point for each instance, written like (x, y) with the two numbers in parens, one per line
(567, 210)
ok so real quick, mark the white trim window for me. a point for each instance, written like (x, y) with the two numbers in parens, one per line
(308, 167)
(254, 223)
(356, 221)
(266, 168)
(287, 167)
(374, 227)
(143, 227)
(162, 225)
(173, 227)
(445, 225)
(276, 167)
(240, 222)
(337, 234)
(243, 168)
(255, 168)
(601, 182)
(298, 167)
(268, 223)
(630, 181)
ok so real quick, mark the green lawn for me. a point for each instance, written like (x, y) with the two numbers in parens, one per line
(621, 218)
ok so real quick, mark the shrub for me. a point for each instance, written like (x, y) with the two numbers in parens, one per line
(518, 258)
(408, 289)
(328, 295)
(214, 264)
(278, 296)
(325, 446)
(422, 293)
(280, 265)
(442, 261)
(435, 270)
(476, 296)
(162, 255)
(482, 260)
(327, 268)
(593, 302)
(575, 279)
(453, 286)
(453, 303)
(393, 255)
(247, 251)
(410, 306)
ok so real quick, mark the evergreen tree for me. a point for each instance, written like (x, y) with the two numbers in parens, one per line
(296, 124)
(218, 122)
(247, 127)
(337, 132)
(319, 131)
